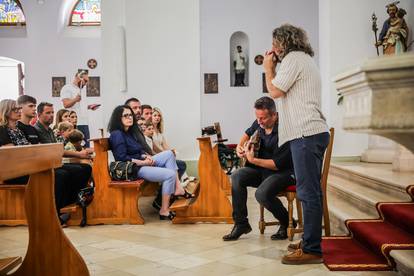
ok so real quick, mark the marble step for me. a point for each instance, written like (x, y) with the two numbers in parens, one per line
(340, 210)
(404, 260)
(379, 177)
(363, 197)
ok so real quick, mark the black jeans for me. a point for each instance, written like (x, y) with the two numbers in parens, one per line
(77, 177)
(267, 189)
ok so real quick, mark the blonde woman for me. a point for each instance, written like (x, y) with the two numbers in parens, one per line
(10, 134)
(158, 137)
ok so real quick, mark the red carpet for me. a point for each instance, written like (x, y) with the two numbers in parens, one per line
(370, 240)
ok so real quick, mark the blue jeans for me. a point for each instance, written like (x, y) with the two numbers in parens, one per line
(307, 155)
(85, 130)
(164, 171)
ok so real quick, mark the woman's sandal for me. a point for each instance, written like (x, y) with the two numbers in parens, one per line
(170, 216)
(186, 195)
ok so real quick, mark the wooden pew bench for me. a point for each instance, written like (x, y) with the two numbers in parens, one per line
(49, 251)
(12, 210)
(115, 202)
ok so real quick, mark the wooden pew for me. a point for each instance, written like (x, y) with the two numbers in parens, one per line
(49, 251)
(115, 202)
(12, 211)
(211, 203)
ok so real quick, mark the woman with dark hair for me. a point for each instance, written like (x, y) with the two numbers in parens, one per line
(297, 84)
(73, 118)
(63, 115)
(161, 167)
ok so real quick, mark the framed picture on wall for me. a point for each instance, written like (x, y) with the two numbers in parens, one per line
(264, 89)
(57, 84)
(211, 83)
(94, 87)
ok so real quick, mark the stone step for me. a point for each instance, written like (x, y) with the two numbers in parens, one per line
(379, 177)
(361, 196)
(404, 260)
(340, 210)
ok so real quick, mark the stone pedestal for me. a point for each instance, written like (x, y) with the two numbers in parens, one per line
(380, 150)
(379, 98)
(403, 160)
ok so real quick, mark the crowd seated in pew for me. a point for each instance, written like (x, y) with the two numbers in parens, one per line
(161, 167)
(15, 130)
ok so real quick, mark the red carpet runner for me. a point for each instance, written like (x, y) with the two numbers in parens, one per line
(371, 240)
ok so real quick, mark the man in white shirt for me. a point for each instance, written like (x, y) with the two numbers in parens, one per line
(239, 63)
(73, 96)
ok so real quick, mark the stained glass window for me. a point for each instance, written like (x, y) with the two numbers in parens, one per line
(11, 13)
(86, 13)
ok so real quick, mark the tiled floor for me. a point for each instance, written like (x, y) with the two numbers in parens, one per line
(161, 248)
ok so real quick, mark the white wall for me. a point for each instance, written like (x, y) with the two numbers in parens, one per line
(163, 58)
(233, 106)
(47, 51)
(346, 39)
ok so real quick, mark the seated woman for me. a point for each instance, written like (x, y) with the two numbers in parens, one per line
(160, 144)
(73, 118)
(10, 134)
(161, 167)
(63, 115)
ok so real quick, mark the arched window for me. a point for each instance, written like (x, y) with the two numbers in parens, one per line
(11, 13)
(86, 13)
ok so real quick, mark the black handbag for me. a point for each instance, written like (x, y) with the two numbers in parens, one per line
(123, 171)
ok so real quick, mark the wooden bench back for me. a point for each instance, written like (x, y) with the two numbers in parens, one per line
(24, 160)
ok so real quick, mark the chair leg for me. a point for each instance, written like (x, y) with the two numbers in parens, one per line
(299, 211)
(290, 229)
(262, 223)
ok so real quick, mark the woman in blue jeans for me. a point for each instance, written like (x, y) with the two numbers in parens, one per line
(161, 167)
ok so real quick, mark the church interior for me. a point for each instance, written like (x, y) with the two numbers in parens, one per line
(201, 62)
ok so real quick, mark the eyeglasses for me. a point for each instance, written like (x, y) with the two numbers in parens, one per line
(17, 109)
(127, 115)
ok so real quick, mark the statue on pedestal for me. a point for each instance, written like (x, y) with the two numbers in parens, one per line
(394, 33)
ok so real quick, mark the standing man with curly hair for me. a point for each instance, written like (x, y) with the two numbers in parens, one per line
(297, 84)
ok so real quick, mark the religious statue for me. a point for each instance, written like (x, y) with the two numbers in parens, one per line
(239, 63)
(394, 33)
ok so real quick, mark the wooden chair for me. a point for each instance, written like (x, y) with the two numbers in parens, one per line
(211, 203)
(115, 202)
(49, 250)
(290, 194)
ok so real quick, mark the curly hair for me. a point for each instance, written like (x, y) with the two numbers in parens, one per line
(291, 38)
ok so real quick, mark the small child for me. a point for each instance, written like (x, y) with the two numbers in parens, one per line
(141, 123)
(63, 131)
(75, 140)
(148, 129)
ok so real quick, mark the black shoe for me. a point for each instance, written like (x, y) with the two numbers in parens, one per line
(170, 216)
(281, 234)
(156, 205)
(237, 231)
(63, 218)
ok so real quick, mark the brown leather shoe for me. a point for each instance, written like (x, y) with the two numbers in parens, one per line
(299, 257)
(294, 246)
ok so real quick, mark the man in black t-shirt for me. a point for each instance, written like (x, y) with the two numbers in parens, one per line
(271, 171)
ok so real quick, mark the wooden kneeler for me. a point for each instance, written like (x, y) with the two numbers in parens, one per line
(211, 203)
(49, 251)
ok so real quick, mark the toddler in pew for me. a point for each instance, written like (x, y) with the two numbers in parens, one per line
(148, 130)
(74, 140)
(63, 131)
